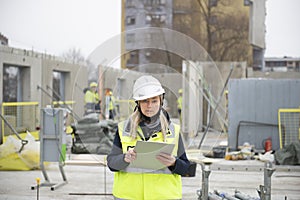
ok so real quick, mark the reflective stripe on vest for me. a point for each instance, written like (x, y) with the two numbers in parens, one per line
(139, 184)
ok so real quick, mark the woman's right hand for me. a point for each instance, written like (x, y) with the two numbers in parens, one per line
(130, 156)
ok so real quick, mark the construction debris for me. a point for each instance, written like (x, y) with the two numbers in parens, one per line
(289, 155)
(12, 159)
(93, 135)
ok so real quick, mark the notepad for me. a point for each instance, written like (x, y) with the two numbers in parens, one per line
(146, 154)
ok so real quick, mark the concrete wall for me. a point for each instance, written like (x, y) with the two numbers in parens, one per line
(76, 75)
(37, 70)
(192, 101)
(26, 60)
(258, 100)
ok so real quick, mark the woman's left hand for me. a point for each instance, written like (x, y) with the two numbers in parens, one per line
(166, 159)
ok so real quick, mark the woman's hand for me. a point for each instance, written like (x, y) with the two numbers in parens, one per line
(166, 159)
(130, 156)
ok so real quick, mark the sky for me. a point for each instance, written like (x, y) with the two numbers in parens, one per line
(55, 26)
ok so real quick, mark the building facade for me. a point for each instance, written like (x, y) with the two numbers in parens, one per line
(222, 28)
(30, 77)
(282, 64)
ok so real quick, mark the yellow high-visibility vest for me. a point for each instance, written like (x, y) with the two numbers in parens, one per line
(179, 102)
(158, 184)
(91, 97)
(111, 105)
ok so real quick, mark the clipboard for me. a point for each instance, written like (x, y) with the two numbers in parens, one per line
(146, 154)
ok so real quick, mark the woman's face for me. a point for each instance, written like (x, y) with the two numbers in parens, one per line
(150, 107)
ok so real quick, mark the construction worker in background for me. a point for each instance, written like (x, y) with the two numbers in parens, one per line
(91, 99)
(179, 103)
(111, 105)
(150, 123)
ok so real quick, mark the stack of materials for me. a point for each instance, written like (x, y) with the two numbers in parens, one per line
(93, 136)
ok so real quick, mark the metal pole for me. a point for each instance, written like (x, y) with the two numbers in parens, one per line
(265, 190)
(214, 111)
(205, 174)
(38, 188)
(49, 95)
(105, 176)
(57, 97)
(23, 142)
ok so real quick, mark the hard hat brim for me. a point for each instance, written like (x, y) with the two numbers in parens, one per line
(148, 96)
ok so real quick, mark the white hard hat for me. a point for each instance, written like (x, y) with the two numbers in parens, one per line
(146, 87)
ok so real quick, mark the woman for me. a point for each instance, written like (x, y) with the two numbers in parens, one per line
(149, 122)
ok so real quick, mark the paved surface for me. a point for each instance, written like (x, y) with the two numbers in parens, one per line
(89, 179)
(95, 181)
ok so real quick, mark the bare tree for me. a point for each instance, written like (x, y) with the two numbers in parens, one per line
(226, 30)
(74, 55)
(231, 39)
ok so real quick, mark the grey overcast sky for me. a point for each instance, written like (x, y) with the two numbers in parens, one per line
(55, 26)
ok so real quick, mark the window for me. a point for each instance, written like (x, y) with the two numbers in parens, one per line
(213, 3)
(162, 2)
(58, 86)
(155, 19)
(130, 3)
(130, 20)
(154, 2)
(10, 83)
(16, 83)
(148, 19)
(134, 57)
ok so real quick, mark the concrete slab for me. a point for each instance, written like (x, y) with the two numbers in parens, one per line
(89, 178)
(94, 181)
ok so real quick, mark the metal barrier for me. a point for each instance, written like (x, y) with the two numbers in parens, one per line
(289, 126)
(264, 190)
(23, 116)
(69, 106)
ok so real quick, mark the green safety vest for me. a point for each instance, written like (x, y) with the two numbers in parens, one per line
(111, 105)
(179, 102)
(133, 183)
(91, 97)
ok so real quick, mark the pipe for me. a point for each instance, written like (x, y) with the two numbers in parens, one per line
(242, 196)
(265, 190)
(58, 98)
(205, 175)
(225, 195)
(23, 142)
